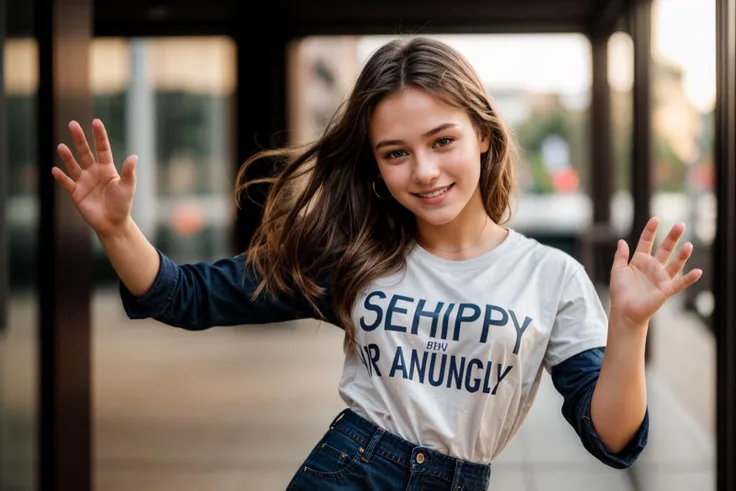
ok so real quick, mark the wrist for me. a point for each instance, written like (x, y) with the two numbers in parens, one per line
(624, 322)
(622, 330)
(119, 233)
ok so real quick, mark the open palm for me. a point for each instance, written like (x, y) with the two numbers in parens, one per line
(641, 286)
(103, 197)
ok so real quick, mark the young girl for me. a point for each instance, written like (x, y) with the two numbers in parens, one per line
(390, 227)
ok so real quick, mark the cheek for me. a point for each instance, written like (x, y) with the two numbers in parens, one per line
(462, 166)
(396, 177)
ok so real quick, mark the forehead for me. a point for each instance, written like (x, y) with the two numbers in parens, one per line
(412, 112)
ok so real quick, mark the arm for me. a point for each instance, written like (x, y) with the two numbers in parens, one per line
(619, 402)
(605, 396)
(639, 288)
(192, 296)
(576, 378)
(574, 358)
(202, 295)
(134, 259)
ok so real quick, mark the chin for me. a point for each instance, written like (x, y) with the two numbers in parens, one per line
(437, 218)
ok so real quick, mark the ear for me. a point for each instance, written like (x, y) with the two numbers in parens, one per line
(484, 142)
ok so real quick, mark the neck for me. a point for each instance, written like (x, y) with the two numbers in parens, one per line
(470, 234)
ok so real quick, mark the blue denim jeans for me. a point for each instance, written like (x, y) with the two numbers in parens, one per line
(356, 454)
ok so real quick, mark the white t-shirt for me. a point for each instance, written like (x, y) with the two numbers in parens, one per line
(452, 352)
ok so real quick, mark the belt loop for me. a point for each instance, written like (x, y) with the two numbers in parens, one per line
(367, 452)
(337, 418)
(458, 473)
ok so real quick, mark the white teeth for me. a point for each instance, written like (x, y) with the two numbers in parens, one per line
(436, 193)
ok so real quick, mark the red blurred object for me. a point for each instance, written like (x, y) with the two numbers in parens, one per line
(566, 180)
(187, 219)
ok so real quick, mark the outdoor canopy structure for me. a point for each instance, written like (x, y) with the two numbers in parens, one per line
(63, 30)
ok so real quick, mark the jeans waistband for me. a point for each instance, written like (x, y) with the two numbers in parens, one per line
(377, 440)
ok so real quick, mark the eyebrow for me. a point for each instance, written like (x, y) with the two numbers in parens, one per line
(433, 131)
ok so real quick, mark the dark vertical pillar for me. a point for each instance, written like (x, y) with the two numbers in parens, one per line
(602, 150)
(597, 254)
(724, 250)
(4, 266)
(63, 29)
(641, 172)
(641, 159)
(261, 108)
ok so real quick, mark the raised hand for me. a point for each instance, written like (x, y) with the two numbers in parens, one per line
(641, 286)
(103, 197)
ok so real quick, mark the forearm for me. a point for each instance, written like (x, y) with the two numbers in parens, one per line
(133, 257)
(619, 399)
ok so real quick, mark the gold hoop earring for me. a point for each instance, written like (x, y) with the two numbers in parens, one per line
(376, 192)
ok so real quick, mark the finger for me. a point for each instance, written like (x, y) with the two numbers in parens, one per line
(69, 161)
(102, 142)
(127, 174)
(80, 142)
(646, 240)
(682, 282)
(66, 181)
(621, 257)
(676, 265)
(668, 244)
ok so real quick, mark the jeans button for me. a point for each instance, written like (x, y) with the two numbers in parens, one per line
(420, 458)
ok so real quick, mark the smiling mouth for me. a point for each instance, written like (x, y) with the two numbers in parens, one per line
(434, 193)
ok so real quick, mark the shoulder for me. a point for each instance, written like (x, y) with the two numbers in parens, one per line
(546, 261)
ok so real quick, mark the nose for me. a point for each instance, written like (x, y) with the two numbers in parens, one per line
(426, 169)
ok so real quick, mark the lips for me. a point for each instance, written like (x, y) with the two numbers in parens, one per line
(432, 193)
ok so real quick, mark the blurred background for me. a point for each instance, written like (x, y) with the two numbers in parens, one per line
(240, 408)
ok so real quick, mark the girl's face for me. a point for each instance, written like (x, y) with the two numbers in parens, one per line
(428, 154)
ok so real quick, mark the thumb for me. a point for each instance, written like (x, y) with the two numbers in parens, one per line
(127, 174)
(621, 258)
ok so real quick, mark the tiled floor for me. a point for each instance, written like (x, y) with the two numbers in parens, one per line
(237, 409)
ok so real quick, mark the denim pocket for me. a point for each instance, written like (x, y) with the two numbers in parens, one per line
(335, 456)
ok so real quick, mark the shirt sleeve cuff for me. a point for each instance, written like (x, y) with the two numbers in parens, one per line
(154, 302)
(619, 460)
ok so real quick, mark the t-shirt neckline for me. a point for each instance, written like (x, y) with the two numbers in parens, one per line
(479, 261)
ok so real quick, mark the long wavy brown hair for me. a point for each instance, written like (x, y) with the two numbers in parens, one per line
(325, 233)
